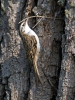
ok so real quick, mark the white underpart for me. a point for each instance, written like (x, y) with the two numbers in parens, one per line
(30, 32)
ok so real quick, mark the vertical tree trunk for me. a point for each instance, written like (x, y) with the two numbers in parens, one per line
(14, 71)
(17, 82)
(50, 32)
(66, 89)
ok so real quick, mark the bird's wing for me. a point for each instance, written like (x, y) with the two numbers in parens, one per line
(30, 45)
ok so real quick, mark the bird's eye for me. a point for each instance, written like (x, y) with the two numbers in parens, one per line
(23, 25)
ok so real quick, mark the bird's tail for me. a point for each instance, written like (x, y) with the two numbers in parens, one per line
(37, 75)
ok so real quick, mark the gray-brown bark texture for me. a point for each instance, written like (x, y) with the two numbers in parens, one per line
(66, 89)
(17, 78)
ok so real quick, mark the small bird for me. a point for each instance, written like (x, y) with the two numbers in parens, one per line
(32, 47)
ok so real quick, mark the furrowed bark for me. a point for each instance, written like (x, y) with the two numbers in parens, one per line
(66, 90)
(17, 81)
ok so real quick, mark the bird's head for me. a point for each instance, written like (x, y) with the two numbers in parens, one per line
(22, 26)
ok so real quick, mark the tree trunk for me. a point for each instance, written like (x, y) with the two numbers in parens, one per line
(17, 78)
(66, 89)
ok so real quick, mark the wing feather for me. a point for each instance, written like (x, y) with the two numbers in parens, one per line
(30, 45)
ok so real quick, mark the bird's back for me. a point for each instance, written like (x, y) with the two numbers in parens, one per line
(30, 45)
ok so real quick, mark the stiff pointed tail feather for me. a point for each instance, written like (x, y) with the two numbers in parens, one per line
(37, 76)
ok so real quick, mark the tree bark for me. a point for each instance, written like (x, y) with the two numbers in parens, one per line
(66, 90)
(17, 78)
(14, 71)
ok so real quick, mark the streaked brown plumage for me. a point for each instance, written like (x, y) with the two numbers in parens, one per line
(32, 47)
